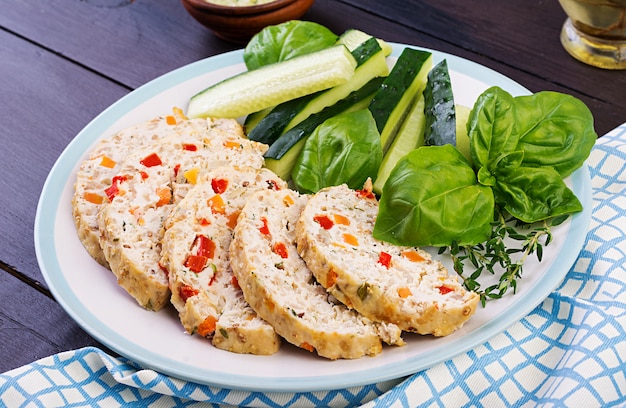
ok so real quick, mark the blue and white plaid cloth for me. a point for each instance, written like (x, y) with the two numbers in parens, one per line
(568, 352)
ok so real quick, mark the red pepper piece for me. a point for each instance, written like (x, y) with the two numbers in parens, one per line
(151, 160)
(204, 246)
(281, 250)
(264, 228)
(202, 249)
(365, 194)
(444, 289)
(196, 263)
(324, 221)
(190, 147)
(384, 259)
(219, 185)
(113, 190)
(186, 291)
(176, 170)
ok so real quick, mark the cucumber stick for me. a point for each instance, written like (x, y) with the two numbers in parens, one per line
(409, 137)
(439, 107)
(284, 152)
(391, 103)
(462, 138)
(272, 84)
(371, 63)
(353, 38)
(254, 118)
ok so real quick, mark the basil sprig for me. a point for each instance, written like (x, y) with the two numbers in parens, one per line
(521, 148)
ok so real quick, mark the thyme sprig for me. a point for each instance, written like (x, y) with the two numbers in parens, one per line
(499, 255)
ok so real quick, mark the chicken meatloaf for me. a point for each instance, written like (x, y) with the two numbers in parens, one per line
(149, 183)
(195, 253)
(399, 285)
(103, 162)
(279, 286)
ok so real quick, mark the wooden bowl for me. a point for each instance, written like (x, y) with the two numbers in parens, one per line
(239, 23)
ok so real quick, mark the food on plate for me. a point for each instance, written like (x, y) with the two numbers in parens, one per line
(195, 253)
(384, 282)
(96, 171)
(286, 40)
(272, 84)
(279, 286)
(148, 184)
(266, 126)
(399, 91)
(418, 208)
(439, 108)
(284, 151)
(184, 212)
(344, 149)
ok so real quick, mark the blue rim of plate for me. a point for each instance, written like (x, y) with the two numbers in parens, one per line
(60, 174)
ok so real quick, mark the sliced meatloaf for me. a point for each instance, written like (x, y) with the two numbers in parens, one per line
(388, 283)
(149, 183)
(195, 253)
(97, 170)
(279, 286)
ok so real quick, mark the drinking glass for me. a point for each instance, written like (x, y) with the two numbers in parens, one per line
(595, 32)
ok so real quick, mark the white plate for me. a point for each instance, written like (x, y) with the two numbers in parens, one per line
(91, 296)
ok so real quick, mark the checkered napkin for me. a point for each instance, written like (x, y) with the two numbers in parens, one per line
(570, 351)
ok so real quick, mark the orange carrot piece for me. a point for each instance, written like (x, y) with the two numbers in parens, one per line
(307, 347)
(404, 292)
(232, 219)
(216, 203)
(342, 220)
(107, 162)
(288, 200)
(350, 239)
(93, 198)
(165, 196)
(331, 278)
(207, 327)
(232, 145)
(413, 256)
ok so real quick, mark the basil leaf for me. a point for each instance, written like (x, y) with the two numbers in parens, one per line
(491, 127)
(554, 130)
(286, 40)
(532, 194)
(344, 149)
(551, 128)
(432, 198)
(537, 140)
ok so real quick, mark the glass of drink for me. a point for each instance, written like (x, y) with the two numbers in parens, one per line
(595, 32)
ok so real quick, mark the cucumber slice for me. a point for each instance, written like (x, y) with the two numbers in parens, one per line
(462, 138)
(371, 63)
(410, 137)
(283, 153)
(272, 84)
(353, 38)
(391, 103)
(439, 108)
(254, 118)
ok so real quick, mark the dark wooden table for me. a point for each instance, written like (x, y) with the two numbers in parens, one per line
(64, 61)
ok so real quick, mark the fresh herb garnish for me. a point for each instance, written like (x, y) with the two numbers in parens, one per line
(500, 255)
